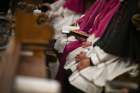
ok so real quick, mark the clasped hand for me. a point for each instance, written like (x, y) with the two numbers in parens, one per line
(83, 60)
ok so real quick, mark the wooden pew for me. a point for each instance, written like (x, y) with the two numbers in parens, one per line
(8, 66)
(33, 30)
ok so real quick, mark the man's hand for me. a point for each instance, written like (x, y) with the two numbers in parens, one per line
(84, 63)
(80, 56)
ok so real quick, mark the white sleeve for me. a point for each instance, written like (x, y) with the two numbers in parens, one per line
(97, 55)
(60, 11)
(92, 39)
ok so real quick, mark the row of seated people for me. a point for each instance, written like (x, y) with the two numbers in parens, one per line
(104, 44)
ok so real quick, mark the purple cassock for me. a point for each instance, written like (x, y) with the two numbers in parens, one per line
(95, 21)
(77, 6)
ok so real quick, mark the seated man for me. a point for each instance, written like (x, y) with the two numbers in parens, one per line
(66, 15)
(4, 24)
(116, 53)
(99, 12)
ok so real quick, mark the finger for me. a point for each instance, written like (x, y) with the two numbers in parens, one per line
(78, 67)
(84, 46)
(82, 52)
(77, 57)
(81, 67)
